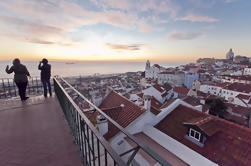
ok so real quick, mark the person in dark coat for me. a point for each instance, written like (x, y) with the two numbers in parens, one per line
(45, 75)
(20, 77)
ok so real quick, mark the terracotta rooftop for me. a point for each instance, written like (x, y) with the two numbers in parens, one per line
(241, 96)
(155, 110)
(155, 103)
(167, 86)
(206, 124)
(159, 88)
(243, 77)
(181, 90)
(238, 120)
(169, 102)
(229, 146)
(222, 84)
(239, 87)
(239, 109)
(191, 100)
(156, 65)
(217, 84)
(195, 102)
(202, 94)
(120, 109)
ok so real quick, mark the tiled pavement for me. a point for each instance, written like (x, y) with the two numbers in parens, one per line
(34, 133)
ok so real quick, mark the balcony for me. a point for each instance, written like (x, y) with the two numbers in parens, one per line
(55, 131)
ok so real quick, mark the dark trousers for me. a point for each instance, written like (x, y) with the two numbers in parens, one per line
(22, 89)
(46, 82)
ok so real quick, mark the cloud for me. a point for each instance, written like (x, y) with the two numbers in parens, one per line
(209, 27)
(229, 1)
(130, 47)
(32, 32)
(156, 8)
(31, 27)
(159, 6)
(144, 27)
(179, 35)
(49, 22)
(115, 4)
(198, 18)
(70, 16)
(38, 41)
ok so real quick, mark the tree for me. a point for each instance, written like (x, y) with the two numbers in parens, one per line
(217, 107)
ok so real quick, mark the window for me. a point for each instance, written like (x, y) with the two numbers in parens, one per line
(194, 134)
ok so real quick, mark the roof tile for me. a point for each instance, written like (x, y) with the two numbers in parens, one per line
(229, 146)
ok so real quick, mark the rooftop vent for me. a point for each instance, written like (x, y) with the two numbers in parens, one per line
(122, 105)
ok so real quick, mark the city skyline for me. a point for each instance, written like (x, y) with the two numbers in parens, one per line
(110, 30)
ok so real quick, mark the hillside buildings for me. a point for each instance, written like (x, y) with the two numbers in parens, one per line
(152, 71)
(167, 109)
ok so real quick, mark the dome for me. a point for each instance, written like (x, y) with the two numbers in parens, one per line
(230, 54)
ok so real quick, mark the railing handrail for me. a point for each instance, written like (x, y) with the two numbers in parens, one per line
(142, 146)
(13, 78)
(106, 145)
(9, 89)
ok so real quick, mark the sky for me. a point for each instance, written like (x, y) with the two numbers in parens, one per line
(124, 30)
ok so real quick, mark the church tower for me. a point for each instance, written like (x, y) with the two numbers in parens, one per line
(147, 65)
(148, 69)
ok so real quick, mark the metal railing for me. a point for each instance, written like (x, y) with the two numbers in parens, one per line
(94, 149)
(9, 89)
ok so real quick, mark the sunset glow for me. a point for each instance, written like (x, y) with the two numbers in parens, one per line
(124, 30)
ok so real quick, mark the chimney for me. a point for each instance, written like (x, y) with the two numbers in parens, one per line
(102, 124)
(108, 91)
(147, 102)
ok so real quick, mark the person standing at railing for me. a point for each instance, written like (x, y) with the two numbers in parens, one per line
(20, 77)
(45, 75)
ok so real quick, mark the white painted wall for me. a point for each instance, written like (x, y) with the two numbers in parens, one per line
(172, 79)
(153, 92)
(102, 127)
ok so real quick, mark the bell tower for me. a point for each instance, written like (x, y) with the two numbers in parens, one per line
(147, 65)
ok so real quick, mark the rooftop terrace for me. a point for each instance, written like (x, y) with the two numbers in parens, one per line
(35, 133)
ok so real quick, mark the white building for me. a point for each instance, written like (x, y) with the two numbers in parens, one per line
(230, 92)
(173, 78)
(152, 71)
(247, 71)
(158, 92)
(213, 89)
(245, 79)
